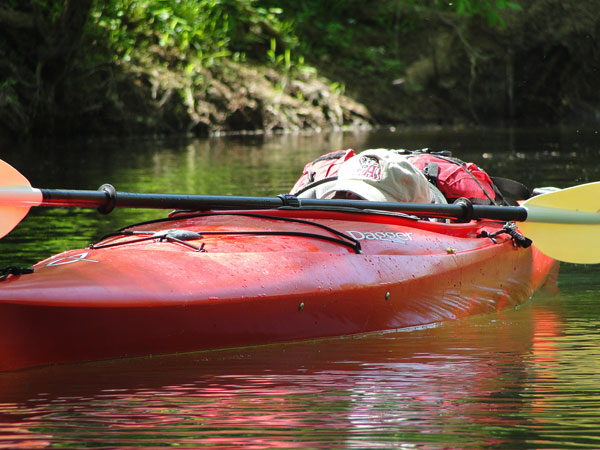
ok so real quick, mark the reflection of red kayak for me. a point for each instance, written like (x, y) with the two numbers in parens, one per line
(205, 281)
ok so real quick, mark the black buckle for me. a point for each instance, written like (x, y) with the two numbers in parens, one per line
(289, 200)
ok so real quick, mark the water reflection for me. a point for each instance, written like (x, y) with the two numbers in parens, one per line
(471, 384)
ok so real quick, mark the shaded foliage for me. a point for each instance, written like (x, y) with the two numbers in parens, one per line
(39, 44)
(369, 46)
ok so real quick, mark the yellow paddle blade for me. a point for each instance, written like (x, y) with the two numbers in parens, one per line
(565, 224)
(16, 197)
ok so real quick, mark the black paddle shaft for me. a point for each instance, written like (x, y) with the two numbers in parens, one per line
(107, 198)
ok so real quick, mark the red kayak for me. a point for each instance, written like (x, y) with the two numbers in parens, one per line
(198, 281)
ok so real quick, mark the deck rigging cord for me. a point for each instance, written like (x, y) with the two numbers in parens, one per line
(169, 235)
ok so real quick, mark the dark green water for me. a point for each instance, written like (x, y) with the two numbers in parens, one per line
(521, 379)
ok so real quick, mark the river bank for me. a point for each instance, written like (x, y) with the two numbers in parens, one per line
(421, 65)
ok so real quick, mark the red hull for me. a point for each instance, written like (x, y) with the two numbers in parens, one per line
(262, 284)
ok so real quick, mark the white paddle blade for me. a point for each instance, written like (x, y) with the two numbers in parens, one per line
(566, 224)
(14, 205)
(16, 197)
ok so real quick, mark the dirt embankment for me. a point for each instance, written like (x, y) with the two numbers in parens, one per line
(242, 97)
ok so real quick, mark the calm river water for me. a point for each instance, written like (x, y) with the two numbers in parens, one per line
(521, 379)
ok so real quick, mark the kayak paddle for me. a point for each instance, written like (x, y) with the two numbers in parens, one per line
(564, 225)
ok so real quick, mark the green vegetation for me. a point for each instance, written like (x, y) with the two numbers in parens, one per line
(205, 29)
(131, 66)
(271, 31)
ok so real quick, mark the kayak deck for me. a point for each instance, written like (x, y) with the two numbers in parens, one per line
(198, 281)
